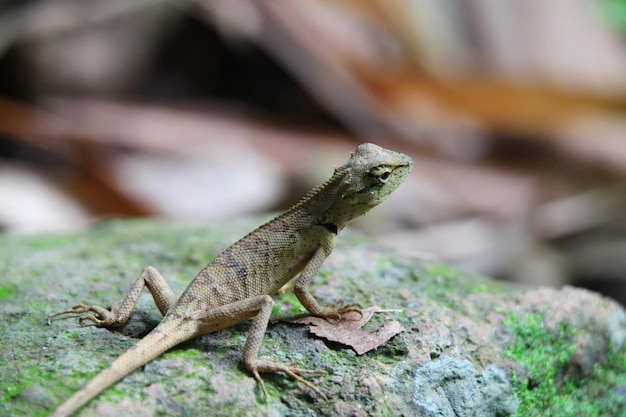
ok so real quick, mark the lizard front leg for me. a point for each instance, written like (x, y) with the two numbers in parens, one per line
(161, 292)
(301, 288)
(261, 306)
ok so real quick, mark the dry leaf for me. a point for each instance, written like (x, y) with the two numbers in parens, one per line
(348, 331)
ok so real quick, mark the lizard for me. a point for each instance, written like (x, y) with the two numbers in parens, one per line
(238, 284)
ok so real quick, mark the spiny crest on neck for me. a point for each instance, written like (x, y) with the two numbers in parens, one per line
(359, 174)
(331, 182)
(339, 175)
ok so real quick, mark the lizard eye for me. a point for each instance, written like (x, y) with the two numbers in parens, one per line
(380, 173)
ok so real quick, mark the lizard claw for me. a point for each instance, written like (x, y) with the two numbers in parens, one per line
(336, 309)
(101, 318)
(295, 373)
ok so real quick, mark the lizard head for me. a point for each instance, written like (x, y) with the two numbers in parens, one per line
(369, 176)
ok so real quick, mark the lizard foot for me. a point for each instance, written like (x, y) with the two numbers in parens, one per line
(295, 373)
(336, 309)
(101, 318)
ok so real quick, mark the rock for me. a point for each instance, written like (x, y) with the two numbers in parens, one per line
(452, 387)
(548, 351)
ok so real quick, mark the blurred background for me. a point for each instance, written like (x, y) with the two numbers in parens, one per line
(205, 110)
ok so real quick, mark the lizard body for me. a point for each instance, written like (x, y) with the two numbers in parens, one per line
(239, 282)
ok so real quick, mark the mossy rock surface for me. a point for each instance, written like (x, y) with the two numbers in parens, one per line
(523, 351)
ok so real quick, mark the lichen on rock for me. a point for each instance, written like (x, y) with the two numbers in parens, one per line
(449, 386)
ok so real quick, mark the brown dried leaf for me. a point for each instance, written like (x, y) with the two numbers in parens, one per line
(348, 331)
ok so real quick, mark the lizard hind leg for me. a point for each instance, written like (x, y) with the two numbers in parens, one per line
(150, 278)
(253, 345)
(260, 306)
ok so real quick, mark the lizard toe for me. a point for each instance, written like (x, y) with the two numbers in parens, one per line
(287, 369)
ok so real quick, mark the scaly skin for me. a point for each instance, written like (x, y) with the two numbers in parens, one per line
(239, 282)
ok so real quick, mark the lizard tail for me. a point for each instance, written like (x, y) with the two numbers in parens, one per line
(165, 336)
